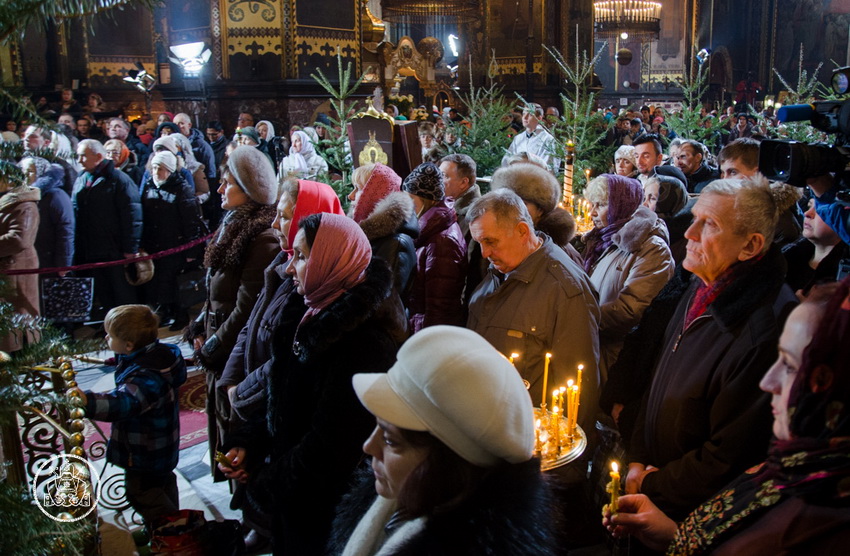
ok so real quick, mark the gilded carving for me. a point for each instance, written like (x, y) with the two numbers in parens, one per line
(236, 11)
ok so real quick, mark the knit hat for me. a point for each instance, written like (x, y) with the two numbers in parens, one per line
(464, 392)
(166, 125)
(249, 131)
(532, 183)
(167, 142)
(253, 172)
(165, 158)
(425, 181)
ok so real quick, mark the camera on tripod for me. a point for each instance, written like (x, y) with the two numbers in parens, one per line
(795, 161)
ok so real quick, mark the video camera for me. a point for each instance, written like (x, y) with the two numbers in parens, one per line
(794, 161)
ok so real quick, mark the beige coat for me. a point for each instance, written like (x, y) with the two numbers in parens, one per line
(18, 227)
(627, 278)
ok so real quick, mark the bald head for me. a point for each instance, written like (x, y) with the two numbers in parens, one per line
(184, 122)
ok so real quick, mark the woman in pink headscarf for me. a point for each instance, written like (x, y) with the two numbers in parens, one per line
(311, 430)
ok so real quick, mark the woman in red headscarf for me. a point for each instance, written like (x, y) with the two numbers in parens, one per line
(297, 456)
(798, 500)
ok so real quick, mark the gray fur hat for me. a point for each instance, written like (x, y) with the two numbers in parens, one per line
(253, 172)
(532, 183)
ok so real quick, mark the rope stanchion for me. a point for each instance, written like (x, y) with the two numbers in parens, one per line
(88, 266)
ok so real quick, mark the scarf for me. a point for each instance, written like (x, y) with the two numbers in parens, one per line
(382, 181)
(229, 246)
(331, 271)
(313, 197)
(625, 195)
(299, 159)
(706, 294)
(814, 464)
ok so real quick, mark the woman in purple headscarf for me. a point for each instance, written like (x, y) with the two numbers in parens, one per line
(627, 257)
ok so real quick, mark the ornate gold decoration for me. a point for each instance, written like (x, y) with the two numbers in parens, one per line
(372, 152)
(372, 112)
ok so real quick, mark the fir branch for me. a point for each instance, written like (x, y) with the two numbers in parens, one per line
(35, 533)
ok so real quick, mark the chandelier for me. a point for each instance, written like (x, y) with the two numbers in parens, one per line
(640, 19)
(429, 11)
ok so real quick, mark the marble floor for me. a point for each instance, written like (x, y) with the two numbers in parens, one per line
(197, 490)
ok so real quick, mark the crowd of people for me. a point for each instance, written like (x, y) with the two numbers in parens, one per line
(319, 324)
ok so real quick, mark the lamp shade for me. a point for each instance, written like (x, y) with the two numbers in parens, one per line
(429, 11)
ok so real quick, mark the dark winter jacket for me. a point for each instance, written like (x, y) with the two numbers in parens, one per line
(141, 150)
(219, 147)
(703, 418)
(315, 426)
(232, 289)
(437, 292)
(250, 363)
(132, 169)
(800, 275)
(108, 215)
(203, 152)
(392, 229)
(170, 214)
(509, 514)
(703, 176)
(143, 408)
(55, 240)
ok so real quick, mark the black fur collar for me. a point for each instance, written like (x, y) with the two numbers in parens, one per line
(346, 313)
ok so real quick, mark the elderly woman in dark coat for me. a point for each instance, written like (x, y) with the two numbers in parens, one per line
(235, 259)
(170, 217)
(18, 228)
(436, 297)
(55, 240)
(311, 432)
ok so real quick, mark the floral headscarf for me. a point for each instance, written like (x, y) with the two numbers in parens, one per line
(624, 197)
(814, 464)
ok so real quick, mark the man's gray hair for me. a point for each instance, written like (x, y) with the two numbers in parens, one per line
(92, 145)
(755, 209)
(508, 208)
(182, 116)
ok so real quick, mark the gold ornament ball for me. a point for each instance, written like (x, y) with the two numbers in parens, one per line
(66, 366)
(4, 357)
(77, 439)
(64, 516)
(71, 384)
(77, 425)
(78, 451)
(73, 393)
(78, 413)
(69, 375)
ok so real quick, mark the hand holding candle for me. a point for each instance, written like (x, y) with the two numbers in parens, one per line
(614, 487)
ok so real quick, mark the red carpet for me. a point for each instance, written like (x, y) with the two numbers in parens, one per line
(193, 419)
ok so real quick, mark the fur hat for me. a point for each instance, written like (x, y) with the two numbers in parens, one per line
(532, 183)
(425, 181)
(165, 158)
(253, 172)
(429, 390)
(251, 132)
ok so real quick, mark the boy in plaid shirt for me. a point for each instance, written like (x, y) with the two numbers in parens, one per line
(144, 409)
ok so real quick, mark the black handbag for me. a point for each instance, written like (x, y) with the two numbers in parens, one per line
(67, 299)
(192, 287)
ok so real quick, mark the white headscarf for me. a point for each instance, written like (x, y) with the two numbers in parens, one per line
(269, 125)
(298, 160)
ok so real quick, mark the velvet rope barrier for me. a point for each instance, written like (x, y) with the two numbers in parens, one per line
(89, 266)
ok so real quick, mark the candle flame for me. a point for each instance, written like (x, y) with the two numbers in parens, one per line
(514, 355)
(537, 424)
(548, 356)
(555, 392)
(614, 467)
(564, 388)
(581, 367)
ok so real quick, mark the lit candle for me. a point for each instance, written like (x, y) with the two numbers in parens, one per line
(577, 403)
(546, 375)
(614, 487)
(512, 357)
(555, 397)
(557, 432)
(561, 394)
(578, 380)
